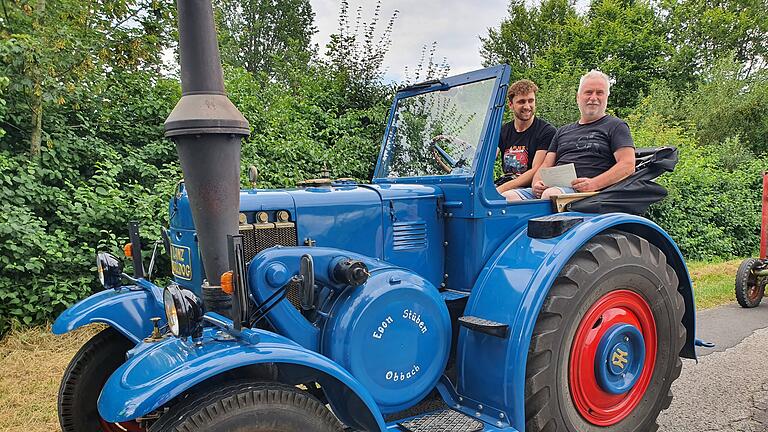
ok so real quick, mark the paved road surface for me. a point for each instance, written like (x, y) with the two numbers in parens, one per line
(728, 389)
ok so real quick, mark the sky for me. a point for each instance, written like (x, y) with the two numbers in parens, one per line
(456, 26)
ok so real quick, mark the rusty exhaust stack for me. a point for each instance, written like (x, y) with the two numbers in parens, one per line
(207, 129)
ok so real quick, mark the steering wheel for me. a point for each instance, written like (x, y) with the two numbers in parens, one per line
(445, 160)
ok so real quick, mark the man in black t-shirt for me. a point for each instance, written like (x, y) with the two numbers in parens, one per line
(523, 142)
(599, 146)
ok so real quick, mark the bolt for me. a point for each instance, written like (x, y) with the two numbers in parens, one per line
(461, 399)
(490, 213)
(499, 423)
(442, 285)
(503, 211)
(445, 243)
(480, 407)
(501, 415)
(445, 276)
(626, 338)
(477, 414)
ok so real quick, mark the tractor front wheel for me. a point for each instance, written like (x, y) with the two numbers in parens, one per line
(605, 348)
(83, 380)
(248, 407)
(750, 288)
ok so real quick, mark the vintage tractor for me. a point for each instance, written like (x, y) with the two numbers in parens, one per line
(752, 274)
(420, 302)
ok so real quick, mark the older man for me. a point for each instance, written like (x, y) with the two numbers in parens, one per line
(599, 145)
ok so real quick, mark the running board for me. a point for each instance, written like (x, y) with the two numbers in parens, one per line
(445, 420)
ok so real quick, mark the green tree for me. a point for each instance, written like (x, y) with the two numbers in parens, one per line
(702, 31)
(265, 36)
(53, 48)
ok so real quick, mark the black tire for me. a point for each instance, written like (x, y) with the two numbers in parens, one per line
(610, 263)
(749, 288)
(248, 407)
(84, 378)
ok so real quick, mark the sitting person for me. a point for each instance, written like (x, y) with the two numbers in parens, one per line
(523, 142)
(599, 145)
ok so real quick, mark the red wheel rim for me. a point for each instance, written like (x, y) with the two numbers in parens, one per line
(130, 426)
(593, 403)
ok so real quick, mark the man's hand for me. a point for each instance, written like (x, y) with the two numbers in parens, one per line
(584, 184)
(538, 188)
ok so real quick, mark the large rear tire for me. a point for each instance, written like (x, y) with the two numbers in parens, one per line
(248, 407)
(83, 380)
(750, 289)
(605, 348)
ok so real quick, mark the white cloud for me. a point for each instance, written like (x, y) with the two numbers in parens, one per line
(455, 25)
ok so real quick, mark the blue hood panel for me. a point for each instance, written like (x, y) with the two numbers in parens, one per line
(344, 217)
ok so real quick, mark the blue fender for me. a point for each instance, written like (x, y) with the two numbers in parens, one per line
(127, 309)
(511, 289)
(155, 373)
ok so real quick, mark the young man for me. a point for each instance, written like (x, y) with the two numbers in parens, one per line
(599, 145)
(523, 142)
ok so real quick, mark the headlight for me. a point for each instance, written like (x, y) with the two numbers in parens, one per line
(183, 311)
(110, 270)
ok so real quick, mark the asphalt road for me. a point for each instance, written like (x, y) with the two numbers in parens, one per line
(727, 390)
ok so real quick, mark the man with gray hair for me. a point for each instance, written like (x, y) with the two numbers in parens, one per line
(598, 145)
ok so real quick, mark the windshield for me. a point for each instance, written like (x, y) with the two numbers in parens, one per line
(437, 133)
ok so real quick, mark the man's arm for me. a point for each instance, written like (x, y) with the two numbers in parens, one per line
(526, 178)
(625, 166)
(538, 185)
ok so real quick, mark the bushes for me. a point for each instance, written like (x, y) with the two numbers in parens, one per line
(713, 207)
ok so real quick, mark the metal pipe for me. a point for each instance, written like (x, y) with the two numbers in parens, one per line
(207, 129)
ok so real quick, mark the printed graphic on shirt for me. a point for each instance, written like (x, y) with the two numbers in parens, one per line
(515, 160)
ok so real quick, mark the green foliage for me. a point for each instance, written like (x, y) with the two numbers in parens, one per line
(713, 206)
(267, 37)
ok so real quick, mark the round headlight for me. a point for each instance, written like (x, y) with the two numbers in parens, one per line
(110, 270)
(183, 311)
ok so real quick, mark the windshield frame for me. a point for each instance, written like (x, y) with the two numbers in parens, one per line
(495, 73)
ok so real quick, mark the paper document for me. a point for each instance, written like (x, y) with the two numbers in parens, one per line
(560, 176)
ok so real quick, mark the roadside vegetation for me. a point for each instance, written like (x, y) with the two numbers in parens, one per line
(84, 92)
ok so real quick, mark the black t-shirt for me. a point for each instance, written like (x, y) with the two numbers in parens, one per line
(590, 146)
(518, 148)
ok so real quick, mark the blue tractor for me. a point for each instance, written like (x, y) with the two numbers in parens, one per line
(420, 302)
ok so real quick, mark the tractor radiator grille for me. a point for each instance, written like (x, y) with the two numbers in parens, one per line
(409, 235)
(257, 237)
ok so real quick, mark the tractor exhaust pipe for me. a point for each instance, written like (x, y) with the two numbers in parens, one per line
(207, 129)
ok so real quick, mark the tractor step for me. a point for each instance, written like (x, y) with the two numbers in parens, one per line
(481, 325)
(445, 420)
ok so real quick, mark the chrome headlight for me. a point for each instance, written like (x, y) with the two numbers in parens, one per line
(110, 270)
(183, 311)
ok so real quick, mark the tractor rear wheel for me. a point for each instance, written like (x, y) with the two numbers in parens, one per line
(248, 407)
(750, 289)
(83, 380)
(605, 347)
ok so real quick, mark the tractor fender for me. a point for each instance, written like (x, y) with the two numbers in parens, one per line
(127, 309)
(155, 373)
(511, 289)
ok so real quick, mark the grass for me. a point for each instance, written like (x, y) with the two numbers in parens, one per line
(713, 282)
(32, 361)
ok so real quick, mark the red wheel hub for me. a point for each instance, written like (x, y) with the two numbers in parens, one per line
(593, 403)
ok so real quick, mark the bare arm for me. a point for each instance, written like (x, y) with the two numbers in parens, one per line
(625, 166)
(538, 185)
(526, 178)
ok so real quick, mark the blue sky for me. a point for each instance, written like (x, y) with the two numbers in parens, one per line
(455, 25)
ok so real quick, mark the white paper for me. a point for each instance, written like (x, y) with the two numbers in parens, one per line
(559, 176)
